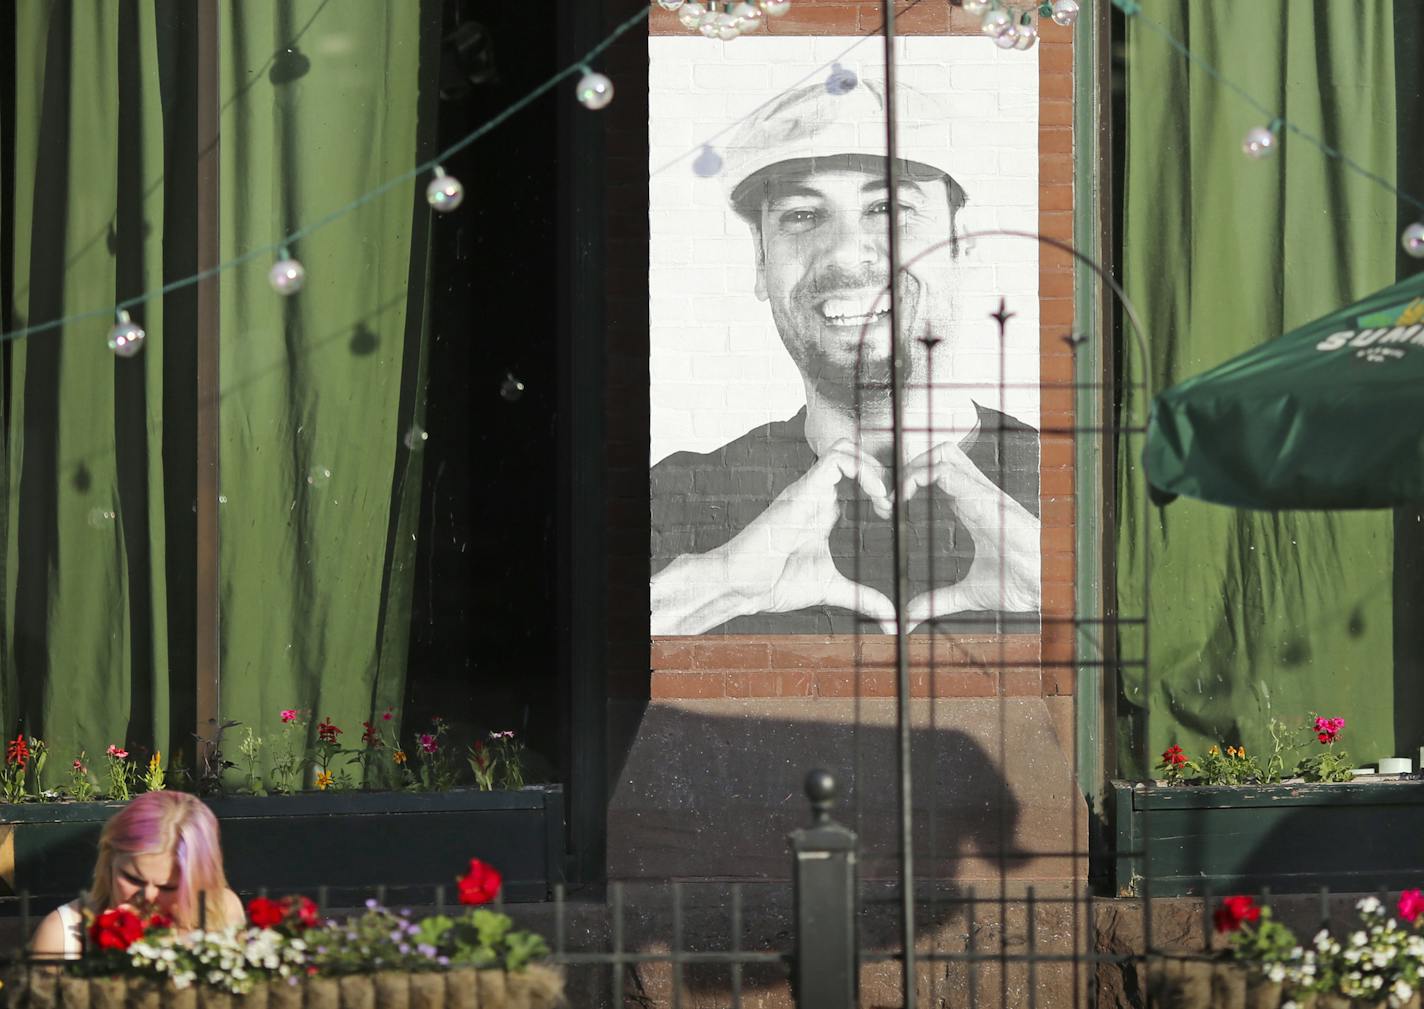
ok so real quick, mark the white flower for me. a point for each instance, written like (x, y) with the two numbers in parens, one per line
(1322, 938)
(1276, 973)
(1352, 956)
(1297, 953)
(1381, 957)
(1368, 905)
(1359, 938)
(1290, 1004)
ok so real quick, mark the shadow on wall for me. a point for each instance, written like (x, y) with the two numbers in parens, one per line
(712, 787)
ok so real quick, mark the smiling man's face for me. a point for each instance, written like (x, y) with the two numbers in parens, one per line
(824, 266)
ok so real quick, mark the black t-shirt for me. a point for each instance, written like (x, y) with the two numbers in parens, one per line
(701, 500)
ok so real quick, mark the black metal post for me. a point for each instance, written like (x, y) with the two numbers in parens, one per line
(826, 969)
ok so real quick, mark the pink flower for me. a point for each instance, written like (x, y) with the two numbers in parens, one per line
(1326, 729)
(116, 753)
(79, 765)
(1411, 905)
(289, 715)
(428, 743)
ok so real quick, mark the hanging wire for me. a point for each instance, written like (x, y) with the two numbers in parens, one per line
(1133, 9)
(341, 211)
(1130, 8)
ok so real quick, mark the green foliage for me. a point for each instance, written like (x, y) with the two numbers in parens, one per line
(1233, 767)
(1267, 942)
(1275, 770)
(81, 782)
(383, 939)
(1327, 765)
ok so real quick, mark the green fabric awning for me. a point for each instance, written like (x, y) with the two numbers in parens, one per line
(1326, 416)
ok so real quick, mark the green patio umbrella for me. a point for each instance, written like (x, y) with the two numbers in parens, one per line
(1330, 415)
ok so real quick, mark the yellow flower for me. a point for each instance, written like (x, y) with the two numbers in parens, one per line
(1214, 752)
(398, 756)
(323, 779)
(1231, 751)
(155, 761)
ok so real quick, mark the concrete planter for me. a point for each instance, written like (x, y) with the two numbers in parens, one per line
(349, 843)
(536, 987)
(1290, 838)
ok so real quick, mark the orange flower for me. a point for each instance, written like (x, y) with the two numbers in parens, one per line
(398, 756)
(323, 779)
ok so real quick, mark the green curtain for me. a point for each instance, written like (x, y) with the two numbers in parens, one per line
(321, 102)
(1253, 615)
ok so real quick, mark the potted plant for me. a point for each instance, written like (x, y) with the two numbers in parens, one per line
(296, 790)
(1228, 820)
(287, 955)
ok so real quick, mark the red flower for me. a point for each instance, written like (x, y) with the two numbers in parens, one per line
(158, 920)
(1411, 905)
(371, 737)
(264, 912)
(387, 716)
(1326, 729)
(301, 911)
(117, 928)
(428, 743)
(18, 752)
(481, 885)
(1174, 756)
(327, 732)
(1235, 912)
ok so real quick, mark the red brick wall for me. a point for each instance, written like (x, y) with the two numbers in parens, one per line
(833, 666)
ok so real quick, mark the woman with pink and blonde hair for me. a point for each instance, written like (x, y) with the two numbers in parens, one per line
(159, 853)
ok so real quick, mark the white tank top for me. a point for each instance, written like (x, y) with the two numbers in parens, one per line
(73, 920)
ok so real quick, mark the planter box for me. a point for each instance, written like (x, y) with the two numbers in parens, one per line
(537, 987)
(350, 843)
(1293, 838)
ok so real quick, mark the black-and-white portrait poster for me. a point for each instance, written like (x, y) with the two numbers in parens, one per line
(770, 343)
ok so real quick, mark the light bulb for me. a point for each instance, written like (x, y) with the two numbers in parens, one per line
(1412, 238)
(727, 27)
(841, 81)
(975, 6)
(1008, 38)
(708, 163)
(444, 192)
(691, 13)
(287, 275)
(776, 8)
(126, 338)
(1259, 142)
(996, 22)
(594, 90)
(749, 17)
(669, 5)
(1028, 35)
(1065, 12)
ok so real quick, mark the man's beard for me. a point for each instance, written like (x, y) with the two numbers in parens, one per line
(858, 378)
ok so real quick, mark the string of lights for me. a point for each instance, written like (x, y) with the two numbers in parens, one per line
(1011, 26)
(1262, 142)
(444, 193)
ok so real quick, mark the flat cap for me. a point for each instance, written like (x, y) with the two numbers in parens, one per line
(817, 121)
